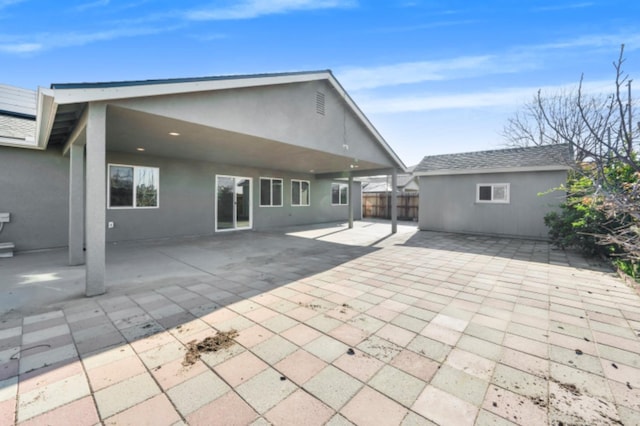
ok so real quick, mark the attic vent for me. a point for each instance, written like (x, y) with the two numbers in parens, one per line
(320, 103)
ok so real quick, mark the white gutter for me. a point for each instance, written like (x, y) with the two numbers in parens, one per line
(45, 116)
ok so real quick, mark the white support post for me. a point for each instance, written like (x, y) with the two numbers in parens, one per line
(350, 200)
(96, 199)
(394, 202)
(76, 204)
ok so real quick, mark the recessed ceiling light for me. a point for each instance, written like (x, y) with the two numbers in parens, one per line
(174, 134)
(140, 149)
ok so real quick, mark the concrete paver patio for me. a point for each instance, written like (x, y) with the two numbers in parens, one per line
(335, 326)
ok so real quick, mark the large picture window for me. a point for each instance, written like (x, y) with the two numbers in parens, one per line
(492, 193)
(133, 186)
(270, 192)
(339, 194)
(300, 192)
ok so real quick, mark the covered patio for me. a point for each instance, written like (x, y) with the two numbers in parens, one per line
(206, 146)
(241, 264)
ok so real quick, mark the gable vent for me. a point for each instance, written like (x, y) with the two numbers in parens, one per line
(320, 103)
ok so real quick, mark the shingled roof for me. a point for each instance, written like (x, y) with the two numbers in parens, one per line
(17, 115)
(549, 157)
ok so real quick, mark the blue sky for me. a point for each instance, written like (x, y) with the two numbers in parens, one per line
(433, 76)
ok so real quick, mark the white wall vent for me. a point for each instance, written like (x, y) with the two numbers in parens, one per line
(320, 103)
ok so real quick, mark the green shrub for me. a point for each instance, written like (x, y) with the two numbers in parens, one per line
(586, 217)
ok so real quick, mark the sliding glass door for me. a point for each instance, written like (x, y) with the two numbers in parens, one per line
(233, 203)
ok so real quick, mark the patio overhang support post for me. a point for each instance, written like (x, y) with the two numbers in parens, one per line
(394, 201)
(350, 200)
(96, 199)
(76, 204)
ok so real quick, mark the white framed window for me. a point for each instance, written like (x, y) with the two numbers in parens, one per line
(300, 192)
(492, 193)
(133, 187)
(339, 194)
(270, 192)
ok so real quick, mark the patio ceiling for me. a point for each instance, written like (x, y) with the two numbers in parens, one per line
(128, 130)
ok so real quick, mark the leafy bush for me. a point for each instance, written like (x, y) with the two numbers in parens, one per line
(588, 218)
(579, 219)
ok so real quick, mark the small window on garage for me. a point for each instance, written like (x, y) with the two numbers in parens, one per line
(492, 193)
(339, 194)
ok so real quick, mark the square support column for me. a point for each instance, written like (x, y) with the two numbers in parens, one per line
(394, 201)
(96, 199)
(350, 200)
(76, 205)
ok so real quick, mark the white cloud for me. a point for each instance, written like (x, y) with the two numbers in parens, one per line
(564, 7)
(249, 9)
(80, 39)
(631, 41)
(357, 78)
(20, 47)
(407, 72)
(508, 97)
(46, 41)
(7, 3)
(514, 60)
(153, 24)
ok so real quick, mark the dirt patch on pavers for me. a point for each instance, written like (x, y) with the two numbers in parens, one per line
(570, 405)
(222, 340)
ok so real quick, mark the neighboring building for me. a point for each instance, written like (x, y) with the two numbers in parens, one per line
(161, 158)
(17, 116)
(17, 128)
(376, 196)
(492, 192)
(407, 182)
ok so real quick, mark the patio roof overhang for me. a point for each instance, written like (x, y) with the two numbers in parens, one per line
(274, 122)
(141, 133)
(63, 121)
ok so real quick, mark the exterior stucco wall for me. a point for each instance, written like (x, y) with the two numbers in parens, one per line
(284, 113)
(187, 200)
(448, 203)
(34, 189)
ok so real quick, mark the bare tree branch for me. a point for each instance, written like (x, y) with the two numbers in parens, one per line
(600, 131)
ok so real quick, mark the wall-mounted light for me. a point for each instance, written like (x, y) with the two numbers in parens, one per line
(174, 134)
(140, 149)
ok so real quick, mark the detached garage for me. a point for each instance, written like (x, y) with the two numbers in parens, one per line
(492, 192)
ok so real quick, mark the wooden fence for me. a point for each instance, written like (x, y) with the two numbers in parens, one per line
(378, 205)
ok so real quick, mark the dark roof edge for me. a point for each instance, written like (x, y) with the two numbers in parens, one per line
(18, 115)
(176, 80)
(490, 151)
